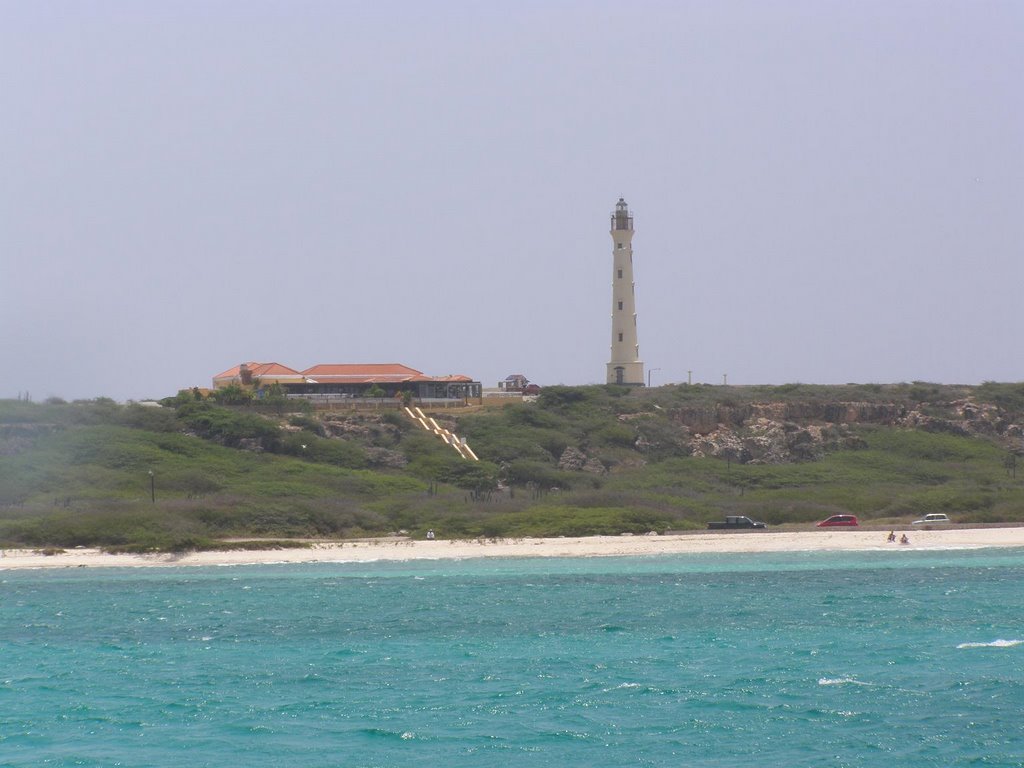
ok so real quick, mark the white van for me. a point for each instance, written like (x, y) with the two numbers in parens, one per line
(936, 518)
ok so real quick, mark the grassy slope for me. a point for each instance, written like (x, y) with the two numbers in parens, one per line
(79, 473)
(85, 480)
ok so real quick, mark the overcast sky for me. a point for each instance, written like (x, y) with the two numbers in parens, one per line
(823, 192)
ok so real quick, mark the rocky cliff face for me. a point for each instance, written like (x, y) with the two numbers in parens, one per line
(763, 441)
(16, 438)
(779, 433)
(707, 420)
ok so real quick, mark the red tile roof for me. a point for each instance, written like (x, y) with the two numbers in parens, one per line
(269, 370)
(363, 373)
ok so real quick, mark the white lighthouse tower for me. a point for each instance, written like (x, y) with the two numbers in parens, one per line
(625, 366)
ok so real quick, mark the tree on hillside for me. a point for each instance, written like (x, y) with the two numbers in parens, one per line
(274, 396)
(232, 394)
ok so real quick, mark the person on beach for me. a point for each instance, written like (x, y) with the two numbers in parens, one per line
(892, 536)
(904, 539)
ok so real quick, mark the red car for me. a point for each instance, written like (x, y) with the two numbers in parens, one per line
(839, 520)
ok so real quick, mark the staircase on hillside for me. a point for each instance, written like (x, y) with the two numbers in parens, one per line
(429, 424)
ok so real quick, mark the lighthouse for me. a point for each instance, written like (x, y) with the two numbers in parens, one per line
(625, 365)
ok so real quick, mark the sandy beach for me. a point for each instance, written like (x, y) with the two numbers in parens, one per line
(590, 546)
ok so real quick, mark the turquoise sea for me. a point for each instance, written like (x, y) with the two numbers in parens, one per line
(860, 659)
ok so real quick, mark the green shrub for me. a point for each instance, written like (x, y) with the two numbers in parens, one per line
(1007, 396)
(524, 472)
(308, 423)
(306, 445)
(226, 426)
(616, 435)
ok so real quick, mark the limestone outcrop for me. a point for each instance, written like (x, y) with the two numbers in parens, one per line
(785, 432)
(574, 459)
(764, 441)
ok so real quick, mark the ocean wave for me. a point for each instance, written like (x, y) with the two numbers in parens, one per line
(384, 733)
(841, 681)
(993, 644)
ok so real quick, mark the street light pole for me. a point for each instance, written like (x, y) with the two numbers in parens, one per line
(152, 486)
(649, 372)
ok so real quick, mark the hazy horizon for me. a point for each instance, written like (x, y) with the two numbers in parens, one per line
(823, 192)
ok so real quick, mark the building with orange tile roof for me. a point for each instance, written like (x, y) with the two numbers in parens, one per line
(244, 374)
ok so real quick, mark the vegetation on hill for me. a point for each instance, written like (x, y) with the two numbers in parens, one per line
(579, 460)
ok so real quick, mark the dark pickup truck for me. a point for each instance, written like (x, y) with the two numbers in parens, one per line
(735, 521)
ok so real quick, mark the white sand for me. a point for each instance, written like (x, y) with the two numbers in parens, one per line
(590, 546)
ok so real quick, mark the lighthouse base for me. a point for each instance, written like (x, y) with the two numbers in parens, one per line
(629, 374)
